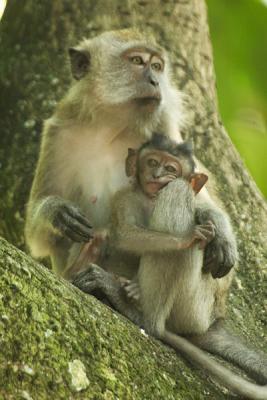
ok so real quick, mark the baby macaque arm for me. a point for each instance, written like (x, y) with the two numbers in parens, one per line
(138, 240)
(130, 233)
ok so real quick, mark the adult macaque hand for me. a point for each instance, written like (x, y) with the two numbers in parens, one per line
(68, 221)
(220, 257)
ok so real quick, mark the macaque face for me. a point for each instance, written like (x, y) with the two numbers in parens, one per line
(156, 169)
(146, 67)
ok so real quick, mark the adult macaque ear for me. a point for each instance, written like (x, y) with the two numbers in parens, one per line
(130, 163)
(80, 63)
(197, 181)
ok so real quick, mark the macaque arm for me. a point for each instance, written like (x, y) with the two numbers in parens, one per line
(131, 235)
(139, 240)
(221, 254)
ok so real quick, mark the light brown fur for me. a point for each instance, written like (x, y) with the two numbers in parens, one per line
(151, 246)
(84, 143)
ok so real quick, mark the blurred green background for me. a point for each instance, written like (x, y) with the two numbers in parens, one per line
(239, 37)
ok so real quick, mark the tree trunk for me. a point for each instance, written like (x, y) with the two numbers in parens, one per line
(45, 323)
(56, 341)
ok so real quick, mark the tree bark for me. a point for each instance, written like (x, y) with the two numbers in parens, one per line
(45, 324)
(47, 327)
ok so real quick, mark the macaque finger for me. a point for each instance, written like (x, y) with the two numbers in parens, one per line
(208, 230)
(222, 272)
(224, 269)
(136, 297)
(200, 236)
(210, 258)
(81, 275)
(75, 226)
(209, 267)
(81, 281)
(88, 287)
(215, 271)
(75, 213)
(124, 282)
(133, 292)
(75, 237)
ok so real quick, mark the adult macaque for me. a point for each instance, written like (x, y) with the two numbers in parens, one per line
(122, 93)
(155, 219)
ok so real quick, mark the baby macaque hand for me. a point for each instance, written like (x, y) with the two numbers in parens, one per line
(131, 289)
(204, 234)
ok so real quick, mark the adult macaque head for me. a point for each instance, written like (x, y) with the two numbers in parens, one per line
(160, 161)
(125, 67)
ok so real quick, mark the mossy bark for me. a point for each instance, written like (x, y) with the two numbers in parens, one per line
(47, 327)
(45, 323)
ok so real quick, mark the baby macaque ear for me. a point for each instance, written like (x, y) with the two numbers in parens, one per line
(131, 162)
(80, 63)
(197, 181)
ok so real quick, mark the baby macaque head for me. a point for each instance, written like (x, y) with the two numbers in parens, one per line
(158, 162)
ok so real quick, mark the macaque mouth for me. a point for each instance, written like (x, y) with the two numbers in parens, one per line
(148, 100)
(155, 186)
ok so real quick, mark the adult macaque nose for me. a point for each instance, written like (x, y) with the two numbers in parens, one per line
(153, 81)
(151, 78)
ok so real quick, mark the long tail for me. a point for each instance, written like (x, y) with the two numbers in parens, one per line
(223, 375)
(217, 340)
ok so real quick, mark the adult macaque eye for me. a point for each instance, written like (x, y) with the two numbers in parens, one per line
(156, 66)
(151, 162)
(170, 168)
(137, 60)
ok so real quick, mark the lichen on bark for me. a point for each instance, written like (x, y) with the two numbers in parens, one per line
(47, 327)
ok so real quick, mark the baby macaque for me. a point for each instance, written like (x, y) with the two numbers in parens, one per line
(157, 243)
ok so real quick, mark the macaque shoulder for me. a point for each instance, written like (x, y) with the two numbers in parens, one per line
(130, 206)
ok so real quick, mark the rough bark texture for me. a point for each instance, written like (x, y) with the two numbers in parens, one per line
(44, 323)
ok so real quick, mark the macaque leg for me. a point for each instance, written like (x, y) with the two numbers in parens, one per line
(59, 255)
(111, 286)
(217, 340)
(157, 294)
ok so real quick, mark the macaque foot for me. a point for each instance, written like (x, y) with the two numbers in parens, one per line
(90, 279)
(220, 257)
(204, 233)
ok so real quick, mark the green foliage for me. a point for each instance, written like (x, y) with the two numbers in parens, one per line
(238, 34)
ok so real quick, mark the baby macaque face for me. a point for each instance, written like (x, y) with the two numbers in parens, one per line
(156, 169)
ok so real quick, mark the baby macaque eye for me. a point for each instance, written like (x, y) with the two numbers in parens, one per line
(151, 162)
(137, 60)
(170, 168)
